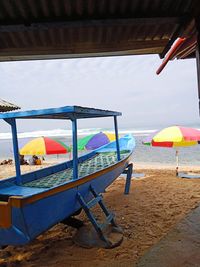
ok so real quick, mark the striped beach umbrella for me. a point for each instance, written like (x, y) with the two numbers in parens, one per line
(44, 146)
(174, 136)
(94, 141)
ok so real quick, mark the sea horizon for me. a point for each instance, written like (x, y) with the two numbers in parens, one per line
(59, 132)
(142, 153)
(81, 132)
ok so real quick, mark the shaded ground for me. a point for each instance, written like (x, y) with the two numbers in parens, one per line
(154, 206)
(178, 248)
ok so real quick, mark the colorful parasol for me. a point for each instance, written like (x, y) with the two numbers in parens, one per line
(44, 146)
(94, 141)
(174, 136)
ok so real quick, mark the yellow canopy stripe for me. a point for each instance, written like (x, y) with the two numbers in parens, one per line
(170, 134)
(34, 147)
(111, 136)
(185, 143)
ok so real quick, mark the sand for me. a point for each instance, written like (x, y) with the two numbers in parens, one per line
(155, 204)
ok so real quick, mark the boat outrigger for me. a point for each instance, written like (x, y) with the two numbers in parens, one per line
(31, 203)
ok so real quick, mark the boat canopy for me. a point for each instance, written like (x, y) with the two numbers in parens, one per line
(67, 112)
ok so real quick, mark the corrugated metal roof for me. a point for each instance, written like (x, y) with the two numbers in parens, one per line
(6, 106)
(31, 29)
(21, 11)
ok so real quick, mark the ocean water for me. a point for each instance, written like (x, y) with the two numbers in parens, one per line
(142, 153)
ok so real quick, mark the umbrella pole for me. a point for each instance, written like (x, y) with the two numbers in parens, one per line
(177, 162)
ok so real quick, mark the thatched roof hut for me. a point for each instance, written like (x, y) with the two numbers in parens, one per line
(6, 106)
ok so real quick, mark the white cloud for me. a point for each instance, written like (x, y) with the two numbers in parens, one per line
(128, 84)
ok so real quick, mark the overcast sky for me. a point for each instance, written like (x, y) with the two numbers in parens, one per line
(127, 84)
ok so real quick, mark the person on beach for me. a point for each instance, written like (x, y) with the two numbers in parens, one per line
(32, 160)
(7, 162)
(38, 161)
(35, 160)
(22, 160)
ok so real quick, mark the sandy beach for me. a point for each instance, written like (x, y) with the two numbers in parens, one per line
(155, 204)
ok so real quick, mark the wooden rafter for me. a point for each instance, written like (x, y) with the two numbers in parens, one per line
(31, 26)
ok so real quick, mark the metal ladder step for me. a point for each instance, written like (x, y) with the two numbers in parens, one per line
(94, 201)
(109, 218)
(97, 199)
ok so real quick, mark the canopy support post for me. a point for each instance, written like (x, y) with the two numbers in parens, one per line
(12, 123)
(75, 150)
(198, 65)
(117, 138)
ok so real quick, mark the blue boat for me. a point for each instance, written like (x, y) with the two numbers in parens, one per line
(31, 203)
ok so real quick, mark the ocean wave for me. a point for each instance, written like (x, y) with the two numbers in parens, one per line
(137, 132)
(67, 133)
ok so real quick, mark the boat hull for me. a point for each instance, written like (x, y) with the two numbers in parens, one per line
(33, 215)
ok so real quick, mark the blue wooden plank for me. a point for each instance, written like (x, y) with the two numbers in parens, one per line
(41, 215)
(44, 213)
(12, 123)
(15, 190)
(109, 218)
(128, 172)
(117, 138)
(94, 201)
(13, 236)
(18, 232)
(75, 150)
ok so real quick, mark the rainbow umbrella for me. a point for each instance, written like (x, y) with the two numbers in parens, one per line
(174, 136)
(94, 141)
(44, 146)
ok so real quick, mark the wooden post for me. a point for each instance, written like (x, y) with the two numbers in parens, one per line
(75, 150)
(177, 163)
(198, 65)
(12, 123)
(117, 138)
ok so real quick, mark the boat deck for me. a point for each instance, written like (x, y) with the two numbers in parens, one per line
(96, 163)
(92, 165)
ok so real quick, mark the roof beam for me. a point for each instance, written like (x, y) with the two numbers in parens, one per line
(67, 53)
(197, 54)
(187, 21)
(84, 47)
(89, 23)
